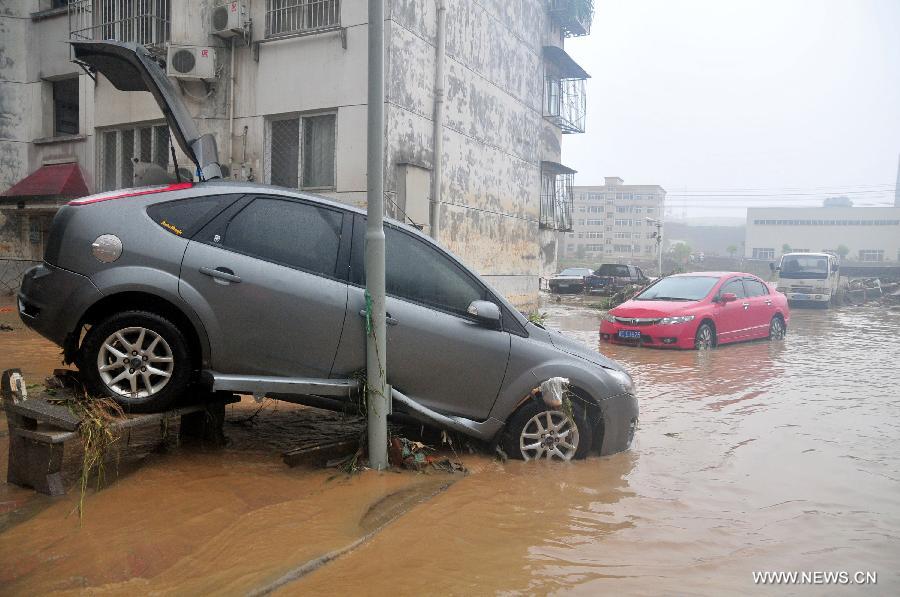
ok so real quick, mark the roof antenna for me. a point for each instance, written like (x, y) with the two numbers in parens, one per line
(175, 161)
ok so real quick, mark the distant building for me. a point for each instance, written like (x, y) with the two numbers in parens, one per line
(870, 233)
(609, 222)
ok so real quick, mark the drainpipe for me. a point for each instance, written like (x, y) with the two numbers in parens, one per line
(231, 115)
(438, 136)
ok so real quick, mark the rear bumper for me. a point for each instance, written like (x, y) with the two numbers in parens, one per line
(679, 335)
(620, 418)
(52, 300)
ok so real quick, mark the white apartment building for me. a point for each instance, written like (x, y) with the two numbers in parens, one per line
(610, 222)
(869, 233)
(281, 84)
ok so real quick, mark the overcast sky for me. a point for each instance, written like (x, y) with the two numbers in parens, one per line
(705, 96)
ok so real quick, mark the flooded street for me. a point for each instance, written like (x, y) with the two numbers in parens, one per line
(757, 456)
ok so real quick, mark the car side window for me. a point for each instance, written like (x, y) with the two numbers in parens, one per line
(291, 233)
(734, 286)
(184, 217)
(622, 270)
(755, 287)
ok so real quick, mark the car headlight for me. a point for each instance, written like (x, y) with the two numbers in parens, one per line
(623, 379)
(678, 319)
(610, 318)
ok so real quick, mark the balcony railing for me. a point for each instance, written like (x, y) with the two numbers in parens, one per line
(298, 17)
(144, 22)
(556, 197)
(564, 98)
(573, 16)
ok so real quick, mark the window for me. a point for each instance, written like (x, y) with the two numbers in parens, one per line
(144, 22)
(287, 232)
(418, 272)
(594, 222)
(120, 147)
(621, 235)
(624, 222)
(65, 107)
(650, 210)
(734, 286)
(755, 287)
(306, 165)
(184, 217)
(871, 255)
(764, 254)
(287, 17)
(556, 196)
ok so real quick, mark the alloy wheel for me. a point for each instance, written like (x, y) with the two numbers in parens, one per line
(135, 362)
(549, 434)
(705, 337)
(776, 329)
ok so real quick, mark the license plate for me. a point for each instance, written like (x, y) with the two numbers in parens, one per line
(802, 296)
(629, 334)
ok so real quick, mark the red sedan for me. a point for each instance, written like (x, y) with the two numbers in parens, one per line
(699, 310)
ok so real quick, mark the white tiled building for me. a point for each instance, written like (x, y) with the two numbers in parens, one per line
(610, 222)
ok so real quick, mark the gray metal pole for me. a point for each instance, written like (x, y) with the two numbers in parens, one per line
(438, 123)
(659, 245)
(377, 398)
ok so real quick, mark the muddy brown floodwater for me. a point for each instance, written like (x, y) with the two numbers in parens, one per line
(761, 456)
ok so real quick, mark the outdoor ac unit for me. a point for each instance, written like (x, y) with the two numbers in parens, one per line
(228, 19)
(191, 62)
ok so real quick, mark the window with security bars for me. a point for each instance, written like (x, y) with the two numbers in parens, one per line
(294, 17)
(120, 147)
(556, 200)
(300, 152)
(144, 22)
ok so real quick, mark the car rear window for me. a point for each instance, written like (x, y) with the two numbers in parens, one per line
(609, 269)
(184, 217)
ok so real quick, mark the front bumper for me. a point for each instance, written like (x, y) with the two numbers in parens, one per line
(679, 335)
(800, 297)
(620, 419)
(52, 300)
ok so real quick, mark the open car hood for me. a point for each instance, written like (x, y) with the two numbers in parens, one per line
(129, 67)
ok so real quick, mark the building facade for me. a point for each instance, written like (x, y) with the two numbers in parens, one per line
(610, 222)
(281, 84)
(867, 233)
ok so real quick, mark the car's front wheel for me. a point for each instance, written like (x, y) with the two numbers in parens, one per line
(537, 431)
(137, 358)
(705, 337)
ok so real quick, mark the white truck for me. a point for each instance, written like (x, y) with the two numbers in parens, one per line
(809, 278)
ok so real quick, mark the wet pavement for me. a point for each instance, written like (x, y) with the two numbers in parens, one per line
(759, 456)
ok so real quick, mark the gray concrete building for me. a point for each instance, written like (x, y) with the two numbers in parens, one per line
(282, 86)
(610, 222)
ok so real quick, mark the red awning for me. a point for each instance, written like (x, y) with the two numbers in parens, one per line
(53, 180)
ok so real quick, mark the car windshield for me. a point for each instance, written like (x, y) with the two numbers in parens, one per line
(679, 288)
(813, 267)
(575, 271)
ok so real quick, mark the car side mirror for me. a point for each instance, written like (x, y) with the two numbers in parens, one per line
(485, 312)
(728, 297)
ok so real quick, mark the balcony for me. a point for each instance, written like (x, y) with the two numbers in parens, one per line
(565, 102)
(144, 22)
(574, 17)
(556, 197)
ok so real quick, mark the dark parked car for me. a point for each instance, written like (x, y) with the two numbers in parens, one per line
(570, 279)
(610, 278)
(251, 288)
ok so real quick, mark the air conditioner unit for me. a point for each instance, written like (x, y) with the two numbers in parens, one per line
(228, 19)
(191, 62)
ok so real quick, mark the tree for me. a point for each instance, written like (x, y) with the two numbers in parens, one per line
(731, 250)
(681, 252)
(843, 251)
(785, 248)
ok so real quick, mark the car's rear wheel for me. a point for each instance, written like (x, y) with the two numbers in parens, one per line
(777, 329)
(537, 431)
(137, 358)
(705, 337)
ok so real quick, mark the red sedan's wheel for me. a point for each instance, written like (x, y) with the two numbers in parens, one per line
(705, 337)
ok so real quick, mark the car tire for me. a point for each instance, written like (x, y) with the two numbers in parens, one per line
(777, 329)
(532, 420)
(705, 337)
(139, 359)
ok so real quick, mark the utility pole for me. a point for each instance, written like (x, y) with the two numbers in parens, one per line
(377, 397)
(658, 224)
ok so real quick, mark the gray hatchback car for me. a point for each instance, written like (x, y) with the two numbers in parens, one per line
(258, 289)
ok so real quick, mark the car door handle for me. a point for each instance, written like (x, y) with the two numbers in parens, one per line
(220, 273)
(746, 306)
(387, 317)
(768, 302)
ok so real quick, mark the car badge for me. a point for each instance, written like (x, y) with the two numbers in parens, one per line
(634, 322)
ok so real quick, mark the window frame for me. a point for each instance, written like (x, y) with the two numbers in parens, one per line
(120, 131)
(301, 130)
(68, 80)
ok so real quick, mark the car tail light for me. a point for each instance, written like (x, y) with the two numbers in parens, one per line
(131, 193)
